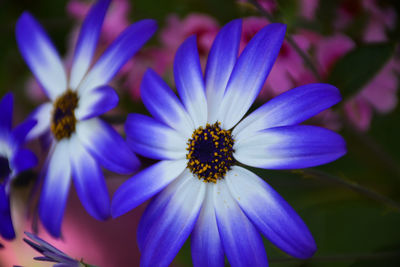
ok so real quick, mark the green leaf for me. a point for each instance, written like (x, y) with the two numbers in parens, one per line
(359, 66)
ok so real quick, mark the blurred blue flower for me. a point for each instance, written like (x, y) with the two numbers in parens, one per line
(80, 142)
(203, 141)
(13, 159)
(51, 253)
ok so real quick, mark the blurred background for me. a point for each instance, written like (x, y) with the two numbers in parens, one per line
(352, 206)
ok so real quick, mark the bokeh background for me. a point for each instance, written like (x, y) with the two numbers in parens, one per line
(352, 206)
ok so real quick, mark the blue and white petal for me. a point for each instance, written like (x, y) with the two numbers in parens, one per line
(89, 181)
(220, 63)
(145, 184)
(250, 72)
(206, 244)
(291, 107)
(118, 53)
(271, 214)
(107, 146)
(164, 105)
(55, 188)
(189, 81)
(96, 102)
(154, 139)
(6, 112)
(167, 233)
(242, 243)
(41, 56)
(290, 147)
(42, 116)
(87, 42)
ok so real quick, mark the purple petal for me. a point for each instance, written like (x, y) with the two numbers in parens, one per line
(163, 104)
(145, 184)
(166, 235)
(96, 102)
(20, 132)
(41, 56)
(6, 225)
(206, 244)
(6, 111)
(55, 188)
(250, 72)
(87, 41)
(118, 53)
(290, 147)
(89, 181)
(271, 214)
(153, 139)
(107, 146)
(157, 206)
(189, 81)
(42, 116)
(221, 60)
(242, 243)
(289, 108)
(42, 244)
(23, 160)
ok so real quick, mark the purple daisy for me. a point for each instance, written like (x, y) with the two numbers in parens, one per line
(13, 159)
(203, 141)
(80, 142)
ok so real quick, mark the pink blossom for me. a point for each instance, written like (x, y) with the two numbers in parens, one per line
(359, 113)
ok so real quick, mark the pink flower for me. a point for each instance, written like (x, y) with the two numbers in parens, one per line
(359, 113)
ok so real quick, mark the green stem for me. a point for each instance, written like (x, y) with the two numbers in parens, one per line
(290, 40)
(345, 257)
(317, 174)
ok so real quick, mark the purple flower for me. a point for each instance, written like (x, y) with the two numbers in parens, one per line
(13, 159)
(199, 186)
(50, 253)
(80, 142)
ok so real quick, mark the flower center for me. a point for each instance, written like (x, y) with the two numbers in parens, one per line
(210, 152)
(4, 168)
(63, 120)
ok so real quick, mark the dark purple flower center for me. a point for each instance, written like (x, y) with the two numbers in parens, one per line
(4, 168)
(210, 152)
(63, 120)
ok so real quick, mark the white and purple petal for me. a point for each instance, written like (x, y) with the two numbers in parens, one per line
(42, 116)
(118, 53)
(41, 56)
(55, 188)
(89, 181)
(96, 102)
(145, 184)
(189, 81)
(6, 112)
(241, 241)
(87, 42)
(107, 146)
(163, 104)
(290, 147)
(250, 72)
(221, 60)
(289, 108)
(206, 244)
(166, 234)
(271, 214)
(153, 139)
